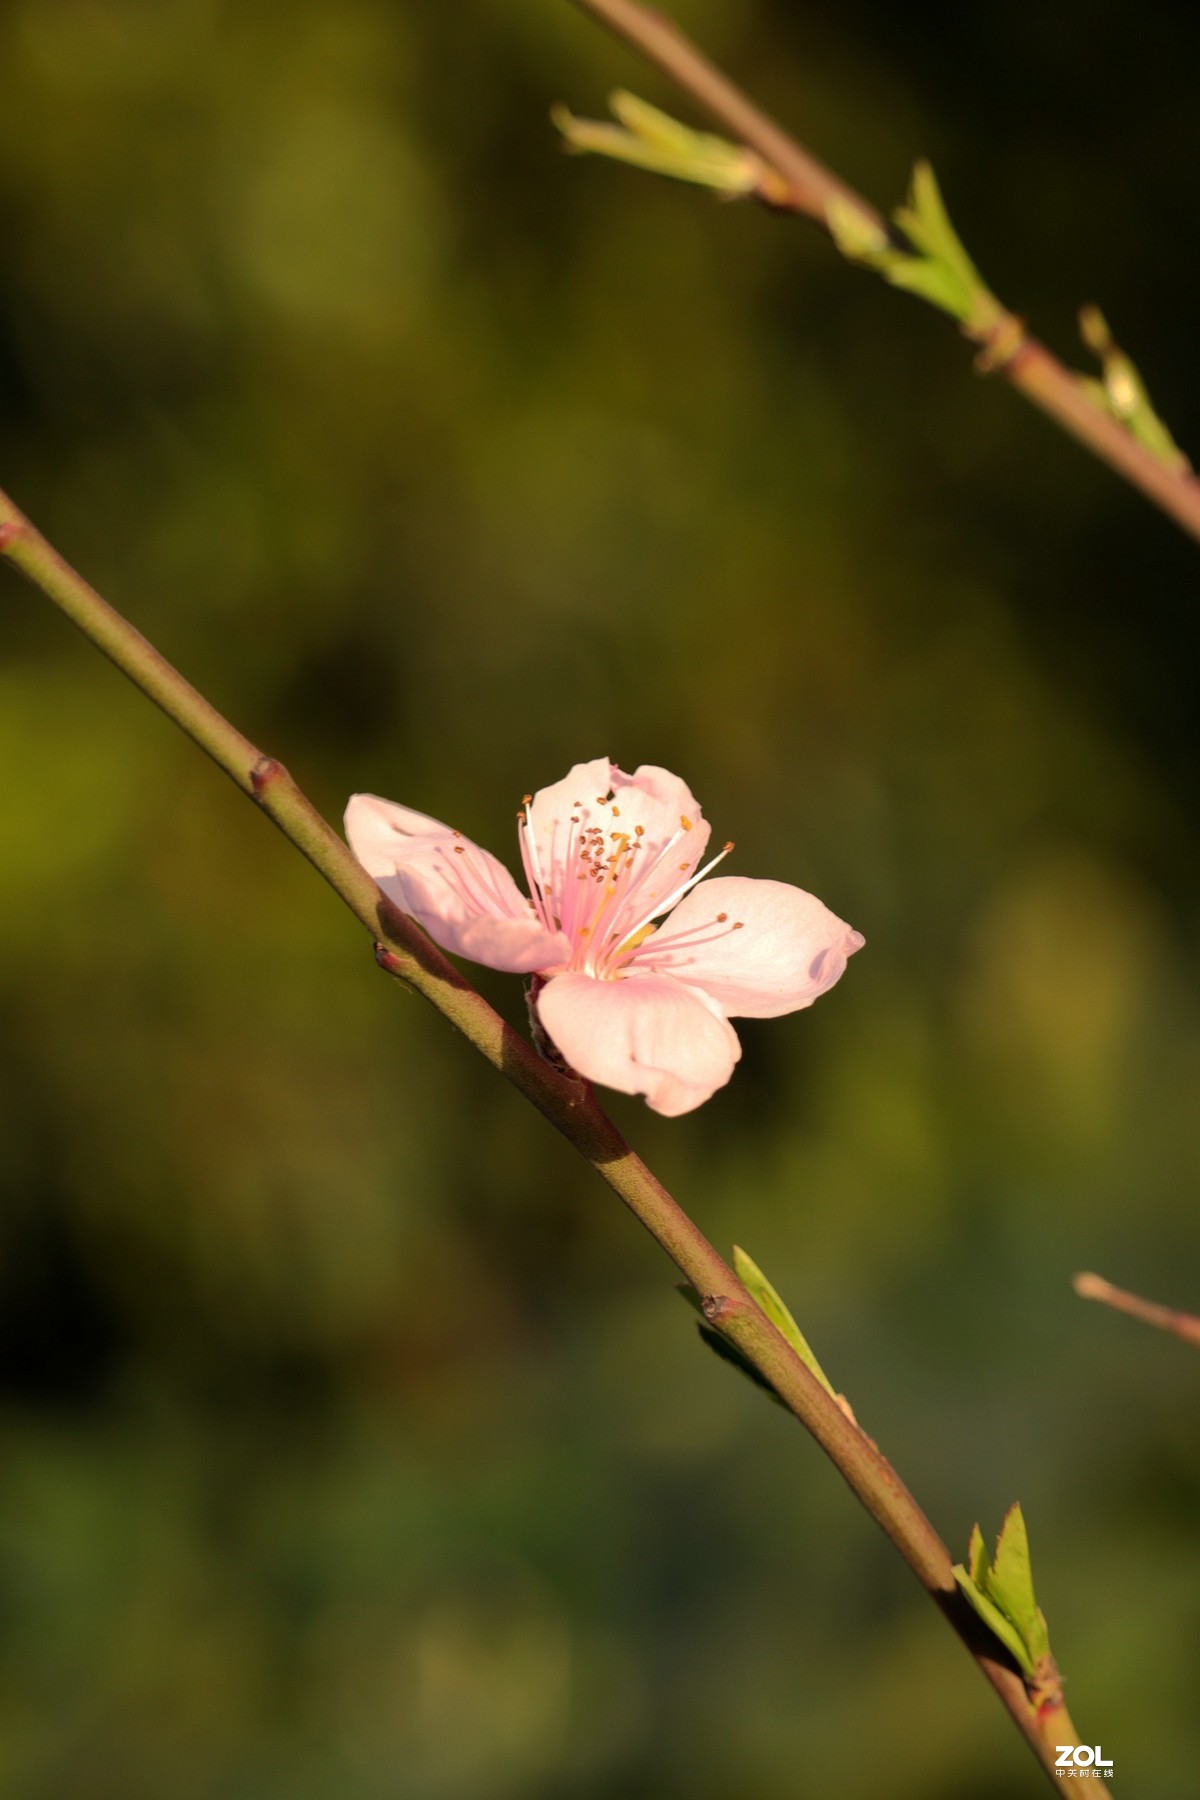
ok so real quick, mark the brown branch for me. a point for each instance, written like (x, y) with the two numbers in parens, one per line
(1179, 1324)
(800, 182)
(404, 951)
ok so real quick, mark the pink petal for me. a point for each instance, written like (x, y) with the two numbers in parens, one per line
(551, 808)
(466, 900)
(376, 829)
(666, 809)
(645, 1034)
(787, 949)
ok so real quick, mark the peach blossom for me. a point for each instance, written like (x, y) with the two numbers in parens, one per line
(639, 968)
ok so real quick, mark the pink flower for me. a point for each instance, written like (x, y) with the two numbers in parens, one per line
(630, 997)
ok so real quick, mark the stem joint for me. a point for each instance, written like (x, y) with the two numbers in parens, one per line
(267, 773)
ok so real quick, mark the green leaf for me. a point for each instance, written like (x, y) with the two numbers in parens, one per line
(1011, 1582)
(941, 272)
(977, 1557)
(1002, 1592)
(936, 282)
(858, 236)
(926, 223)
(652, 140)
(1123, 393)
(656, 127)
(760, 1289)
(992, 1616)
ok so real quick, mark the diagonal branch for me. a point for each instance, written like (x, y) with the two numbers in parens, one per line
(1179, 1324)
(404, 951)
(797, 181)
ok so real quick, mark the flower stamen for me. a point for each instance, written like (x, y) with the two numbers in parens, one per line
(672, 900)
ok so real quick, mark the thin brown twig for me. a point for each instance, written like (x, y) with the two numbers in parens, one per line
(404, 951)
(804, 184)
(1165, 1318)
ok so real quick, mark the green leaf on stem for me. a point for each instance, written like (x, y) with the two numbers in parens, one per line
(940, 272)
(926, 223)
(1002, 1592)
(762, 1292)
(653, 140)
(992, 1617)
(1011, 1583)
(1122, 393)
(858, 236)
(934, 281)
(977, 1557)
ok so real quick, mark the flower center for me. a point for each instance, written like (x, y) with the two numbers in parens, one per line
(603, 883)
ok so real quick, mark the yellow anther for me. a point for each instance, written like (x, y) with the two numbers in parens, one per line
(639, 937)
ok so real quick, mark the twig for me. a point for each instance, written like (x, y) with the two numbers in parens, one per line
(1180, 1324)
(800, 182)
(404, 951)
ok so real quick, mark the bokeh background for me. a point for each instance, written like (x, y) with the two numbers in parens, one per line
(354, 1442)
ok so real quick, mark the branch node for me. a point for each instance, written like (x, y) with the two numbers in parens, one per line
(267, 772)
(1001, 345)
(394, 965)
(10, 531)
(716, 1308)
(1045, 1688)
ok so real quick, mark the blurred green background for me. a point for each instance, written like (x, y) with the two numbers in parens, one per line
(354, 1443)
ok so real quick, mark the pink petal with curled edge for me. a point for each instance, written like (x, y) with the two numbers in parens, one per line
(466, 900)
(377, 829)
(789, 949)
(578, 795)
(644, 1035)
(666, 808)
